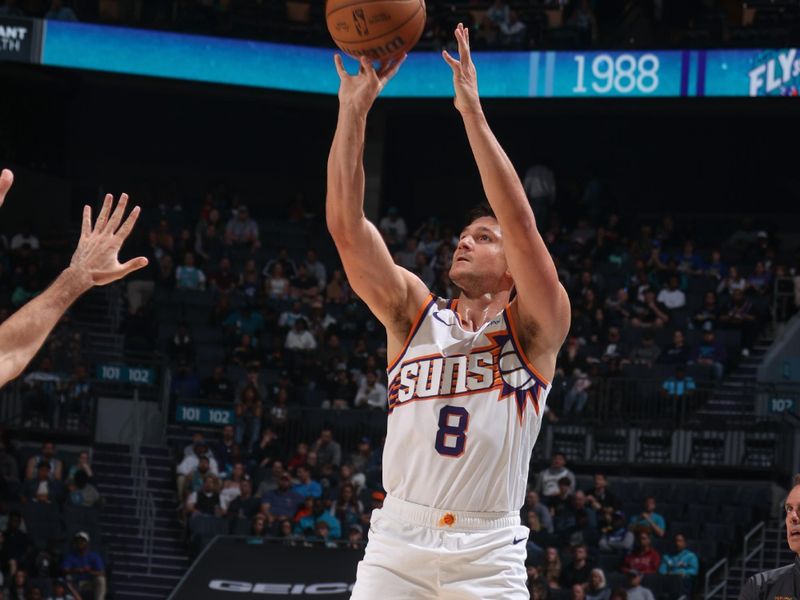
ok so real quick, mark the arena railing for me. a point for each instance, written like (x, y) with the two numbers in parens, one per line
(750, 552)
(712, 590)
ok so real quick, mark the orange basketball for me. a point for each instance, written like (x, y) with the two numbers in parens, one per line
(378, 29)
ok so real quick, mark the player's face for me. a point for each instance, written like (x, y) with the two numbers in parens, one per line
(479, 258)
(792, 507)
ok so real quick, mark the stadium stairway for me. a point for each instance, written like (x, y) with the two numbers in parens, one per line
(129, 577)
(92, 314)
(776, 554)
(734, 397)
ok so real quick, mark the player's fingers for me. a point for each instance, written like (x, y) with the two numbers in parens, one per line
(450, 60)
(337, 60)
(390, 70)
(86, 225)
(127, 226)
(366, 65)
(116, 216)
(102, 218)
(6, 179)
(463, 47)
(132, 265)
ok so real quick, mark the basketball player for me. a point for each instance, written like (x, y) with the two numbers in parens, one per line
(94, 263)
(468, 377)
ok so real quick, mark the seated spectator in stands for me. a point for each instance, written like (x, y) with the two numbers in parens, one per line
(265, 452)
(571, 358)
(672, 296)
(715, 267)
(575, 521)
(635, 590)
(512, 33)
(191, 449)
(20, 586)
(48, 455)
(190, 463)
(710, 352)
(244, 321)
(223, 279)
(188, 276)
(299, 458)
(241, 230)
(42, 394)
(195, 479)
(759, 281)
(85, 569)
(599, 495)
(328, 450)
(679, 387)
(347, 508)
(551, 565)
(267, 480)
(58, 11)
(579, 570)
(597, 588)
(282, 502)
(393, 225)
(532, 503)
(232, 484)
(185, 383)
(646, 353)
(306, 486)
(245, 350)
(206, 501)
(181, 346)
(648, 520)
(683, 563)
(252, 379)
(547, 482)
(79, 396)
(249, 284)
(539, 538)
(644, 558)
(249, 411)
(740, 316)
(708, 313)
(614, 348)
(618, 309)
(318, 513)
(304, 286)
(362, 456)
(578, 393)
(316, 268)
(43, 488)
(677, 353)
(245, 505)
(299, 338)
(355, 537)
(614, 533)
(62, 591)
(83, 464)
(276, 284)
(83, 493)
(337, 291)
(322, 534)
(577, 592)
(371, 393)
(217, 387)
(259, 526)
(649, 312)
(732, 283)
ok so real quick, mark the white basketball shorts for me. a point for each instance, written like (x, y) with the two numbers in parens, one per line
(420, 553)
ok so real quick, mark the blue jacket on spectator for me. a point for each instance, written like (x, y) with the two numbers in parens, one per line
(311, 489)
(683, 563)
(81, 561)
(310, 522)
(282, 504)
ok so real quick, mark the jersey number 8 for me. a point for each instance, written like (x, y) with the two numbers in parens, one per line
(451, 439)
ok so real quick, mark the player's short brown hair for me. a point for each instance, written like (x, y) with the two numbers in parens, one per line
(476, 212)
(796, 480)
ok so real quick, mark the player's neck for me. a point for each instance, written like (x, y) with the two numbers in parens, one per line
(475, 310)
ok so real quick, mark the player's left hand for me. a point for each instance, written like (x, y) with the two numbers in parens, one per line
(96, 259)
(465, 77)
(6, 179)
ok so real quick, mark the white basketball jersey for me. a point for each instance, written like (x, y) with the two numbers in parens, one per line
(465, 408)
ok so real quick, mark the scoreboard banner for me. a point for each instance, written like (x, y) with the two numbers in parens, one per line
(20, 39)
(546, 74)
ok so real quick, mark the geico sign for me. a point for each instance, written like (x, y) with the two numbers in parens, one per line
(280, 589)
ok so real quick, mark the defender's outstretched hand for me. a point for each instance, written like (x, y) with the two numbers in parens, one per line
(465, 78)
(6, 179)
(96, 259)
(359, 91)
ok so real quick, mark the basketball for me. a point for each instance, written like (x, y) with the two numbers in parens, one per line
(378, 29)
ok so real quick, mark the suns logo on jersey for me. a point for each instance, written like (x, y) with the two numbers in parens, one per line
(495, 366)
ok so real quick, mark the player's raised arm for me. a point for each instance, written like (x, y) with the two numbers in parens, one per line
(391, 292)
(542, 303)
(6, 179)
(94, 263)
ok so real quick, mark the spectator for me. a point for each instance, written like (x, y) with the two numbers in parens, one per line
(355, 537)
(222, 280)
(614, 535)
(547, 481)
(708, 313)
(226, 449)
(715, 267)
(245, 505)
(337, 291)
(48, 455)
(646, 353)
(307, 487)
(188, 276)
(185, 384)
(241, 230)
(20, 587)
(619, 309)
(371, 392)
(619, 594)
(393, 225)
(711, 353)
(672, 296)
(192, 449)
(635, 590)
(83, 493)
(597, 588)
(43, 389)
(732, 283)
(614, 348)
(254, 380)
(244, 321)
(322, 534)
(328, 450)
(78, 396)
(649, 313)
(684, 563)
(316, 268)
(304, 286)
(276, 285)
(679, 388)
(576, 522)
(644, 558)
(217, 387)
(283, 258)
(85, 569)
(318, 513)
(249, 411)
(181, 347)
(649, 520)
(578, 592)
(677, 353)
(600, 496)
(300, 339)
(551, 567)
(532, 503)
(194, 480)
(206, 501)
(584, 21)
(498, 14)
(282, 502)
(361, 458)
(83, 464)
(42, 488)
(759, 280)
(232, 484)
(250, 281)
(740, 317)
(266, 452)
(579, 570)
(267, 480)
(689, 260)
(347, 508)
(190, 463)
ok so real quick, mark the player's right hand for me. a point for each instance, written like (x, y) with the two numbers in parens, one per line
(6, 179)
(359, 91)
